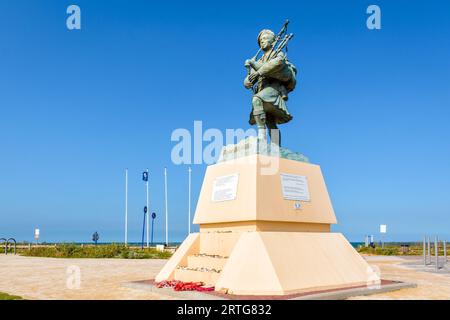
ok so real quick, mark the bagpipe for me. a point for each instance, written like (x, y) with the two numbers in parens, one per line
(287, 74)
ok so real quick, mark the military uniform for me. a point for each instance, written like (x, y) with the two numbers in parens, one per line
(277, 78)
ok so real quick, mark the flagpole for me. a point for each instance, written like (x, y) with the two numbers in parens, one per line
(126, 206)
(148, 214)
(167, 211)
(189, 202)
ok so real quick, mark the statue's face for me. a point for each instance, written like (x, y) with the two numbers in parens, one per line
(265, 41)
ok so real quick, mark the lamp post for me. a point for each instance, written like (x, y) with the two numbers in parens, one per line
(126, 207)
(145, 179)
(143, 227)
(166, 207)
(153, 220)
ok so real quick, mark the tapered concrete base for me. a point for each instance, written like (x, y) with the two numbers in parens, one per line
(280, 263)
(269, 263)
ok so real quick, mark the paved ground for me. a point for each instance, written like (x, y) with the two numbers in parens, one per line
(48, 278)
(430, 285)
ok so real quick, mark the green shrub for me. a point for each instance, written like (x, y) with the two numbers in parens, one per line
(395, 249)
(5, 296)
(386, 251)
(90, 251)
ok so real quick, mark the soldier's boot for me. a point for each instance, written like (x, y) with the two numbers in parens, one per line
(274, 132)
(261, 125)
(260, 118)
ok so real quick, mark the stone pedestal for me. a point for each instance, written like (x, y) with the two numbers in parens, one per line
(265, 230)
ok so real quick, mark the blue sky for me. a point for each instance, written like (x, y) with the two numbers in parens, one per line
(372, 107)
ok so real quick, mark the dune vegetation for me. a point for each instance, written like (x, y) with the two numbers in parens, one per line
(91, 251)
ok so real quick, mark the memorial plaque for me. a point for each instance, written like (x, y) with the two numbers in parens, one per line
(225, 188)
(294, 187)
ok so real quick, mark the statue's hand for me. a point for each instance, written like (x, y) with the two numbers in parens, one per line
(248, 85)
(253, 77)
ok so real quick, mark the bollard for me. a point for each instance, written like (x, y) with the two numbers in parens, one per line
(436, 252)
(445, 252)
(424, 252)
(429, 250)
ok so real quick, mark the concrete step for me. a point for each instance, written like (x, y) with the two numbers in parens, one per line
(209, 262)
(215, 243)
(209, 278)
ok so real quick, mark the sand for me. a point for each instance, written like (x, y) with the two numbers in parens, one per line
(47, 278)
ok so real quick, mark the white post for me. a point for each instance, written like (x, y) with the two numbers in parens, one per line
(445, 251)
(126, 206)
(436, 252)
(424, 252)
(189, 202)
(167, 210)
(148, 214)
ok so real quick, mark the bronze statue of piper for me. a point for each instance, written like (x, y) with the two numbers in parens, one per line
(271, 78)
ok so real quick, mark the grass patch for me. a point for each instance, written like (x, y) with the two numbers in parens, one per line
(397, 250)
(5, 296)
(91, 251)
(386, 251)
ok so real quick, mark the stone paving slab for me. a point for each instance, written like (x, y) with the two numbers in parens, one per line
(36, 278)
(331, 294)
